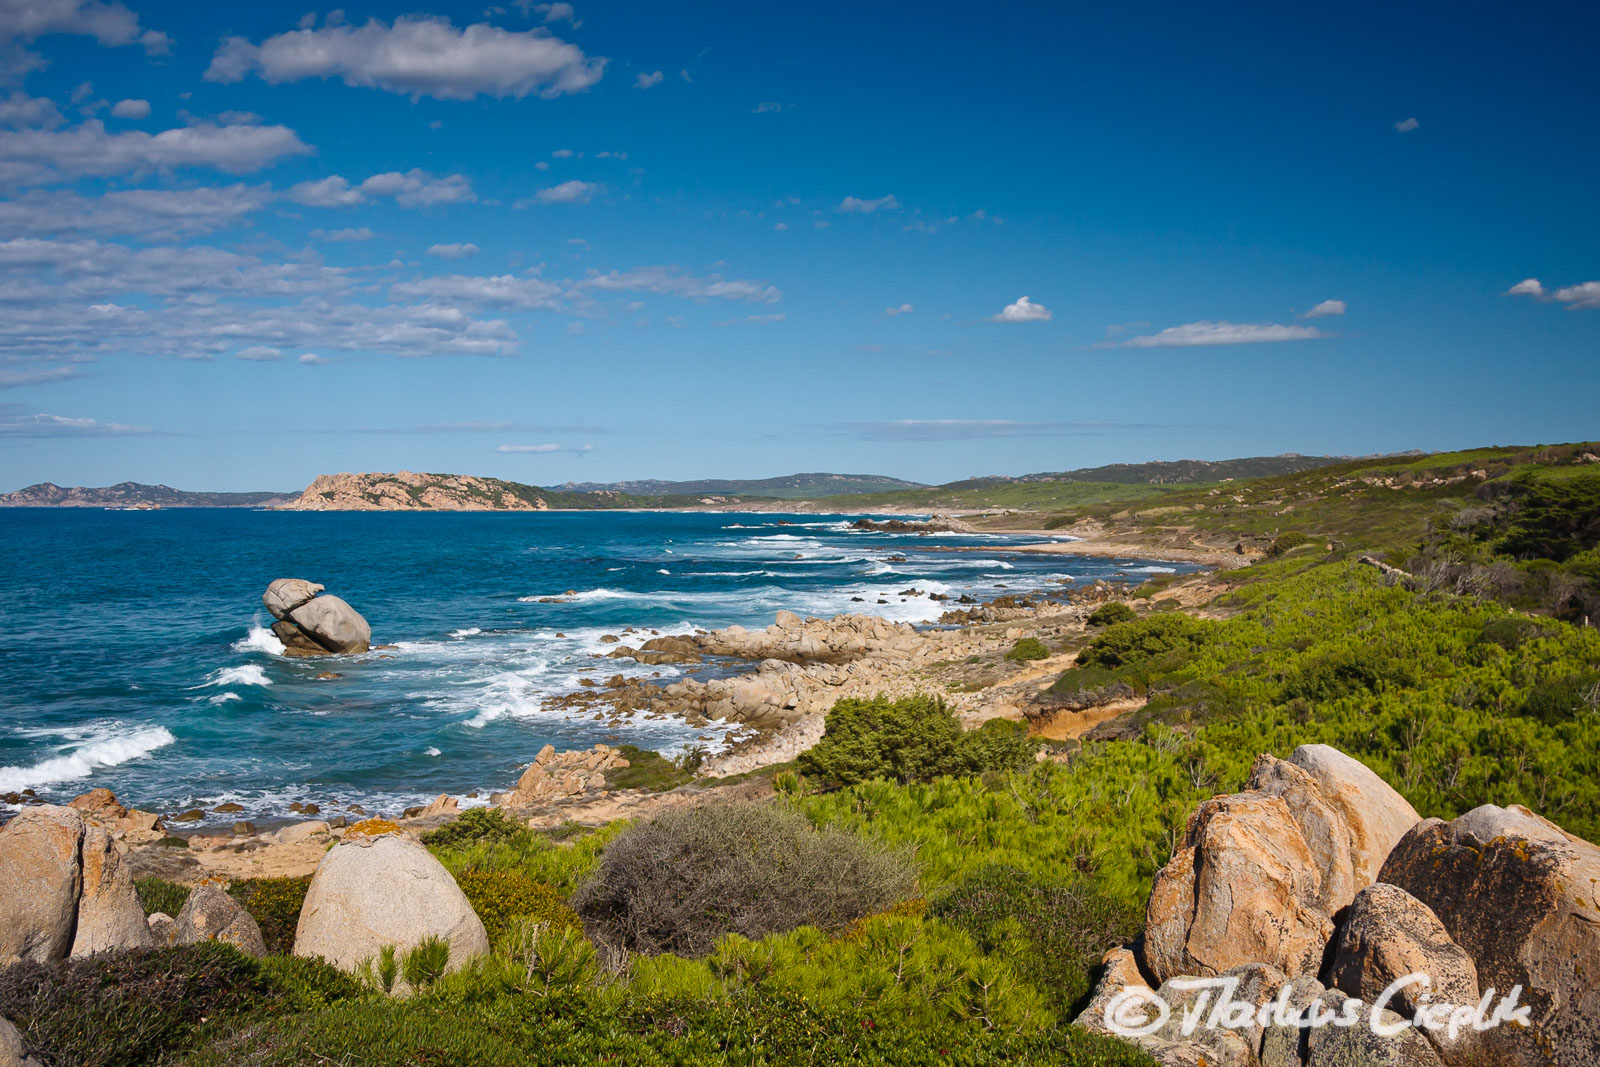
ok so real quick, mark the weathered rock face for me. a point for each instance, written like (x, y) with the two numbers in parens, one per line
(1518, 894)
(13, 1053)
(40, 878)
(1364, 1045)
(286, 594)
(210, 914)
(1263, 872)
(1389, 934)
(562, 774)
(372, 891)
(412, 491)
(109, 913)
(1244, 889)
(313, 625)
(333, 624)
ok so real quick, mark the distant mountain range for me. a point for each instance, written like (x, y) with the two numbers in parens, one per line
(788, 487)
(405, 491)
(135, 494)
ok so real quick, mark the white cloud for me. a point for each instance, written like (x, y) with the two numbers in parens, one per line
(417, 56)
(33, 157)
(453, 251)
(573, 192)
(15, 424)
(154, 214)
(259, 353)
(414, 188)
(1407, 125)
(544, 449)
(552, 12)
(1223, 333)
(1584, 296)
(766, 107)
(856, 203)
(131, 109)
(505, 291)
(564, 153)
(110, 24)
(903, 309)
(350, 233)
(311, 359)
(648, 81)
(19, 109)
(670, 282)
(752, 320)
(1327, 307)
(1024, 310)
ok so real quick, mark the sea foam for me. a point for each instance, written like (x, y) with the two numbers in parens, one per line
(245, 674)
(259, 639)
(107, 748)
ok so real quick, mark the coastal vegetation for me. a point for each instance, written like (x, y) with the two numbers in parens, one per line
(915, 892)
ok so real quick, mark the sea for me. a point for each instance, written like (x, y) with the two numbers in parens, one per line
(135, 653)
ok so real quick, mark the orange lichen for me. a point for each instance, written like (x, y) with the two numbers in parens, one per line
(372, 828)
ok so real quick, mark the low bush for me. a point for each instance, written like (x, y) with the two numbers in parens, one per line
(1054, 932)
(1561, 699)
(562, 865)
(119, 1009)
(1077, 688)
(499, 897)
(651, 770)
(915, 739)
(689, 877)
(1142, 639)
(425, 962)
(1288, 540)
(1028, 648)
(475, 826)
(1510, 632)
(158, 894)
(275, 905)
(1110, 614)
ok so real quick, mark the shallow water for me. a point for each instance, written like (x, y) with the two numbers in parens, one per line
(134, 652)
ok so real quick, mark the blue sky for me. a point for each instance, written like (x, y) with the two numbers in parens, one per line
(241, 245)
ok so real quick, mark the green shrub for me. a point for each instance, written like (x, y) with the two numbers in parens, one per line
(1343, 671)
(1288, 540)
(1510, 631)
(501, 896)
(475, 826)
(119, 1009)
(915, 739)
(307, 983)
(1111, 613)
(652, 771)
(1560, 699)
(275, 905)
(562, 865)
(688, 877)
(158, 894)
(425, 963)
(1028, 648)
(1077, 688)
(1054, 932)
(1142, 639)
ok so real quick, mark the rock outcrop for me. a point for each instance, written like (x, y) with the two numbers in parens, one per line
(1322, 874)
(411, 491)
(210, 914)
(310, 624)
(1263, 873)
(1522, 897)
(109, 913)
(41, 876)
(13, 1052)
(553, 775)
(373, 890)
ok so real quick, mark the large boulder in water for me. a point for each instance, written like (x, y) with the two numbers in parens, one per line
(40, 877)
(109, 913)
(386, 889)
(286, 594)
(333, 624)
(313, 625)
(1519, 894)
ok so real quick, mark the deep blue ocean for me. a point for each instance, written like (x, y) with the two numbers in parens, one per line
(134, 652)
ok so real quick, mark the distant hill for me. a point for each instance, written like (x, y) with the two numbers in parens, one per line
(413, 491)
(787, 487)
(133, 494)
(1169, 472)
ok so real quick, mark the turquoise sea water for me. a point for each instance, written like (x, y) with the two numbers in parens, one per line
(134, 652)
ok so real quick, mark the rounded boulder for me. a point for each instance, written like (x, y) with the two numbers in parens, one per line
(373, 891)
(286, 594)
(333, 624)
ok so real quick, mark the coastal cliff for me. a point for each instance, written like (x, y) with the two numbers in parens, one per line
(410, 491)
